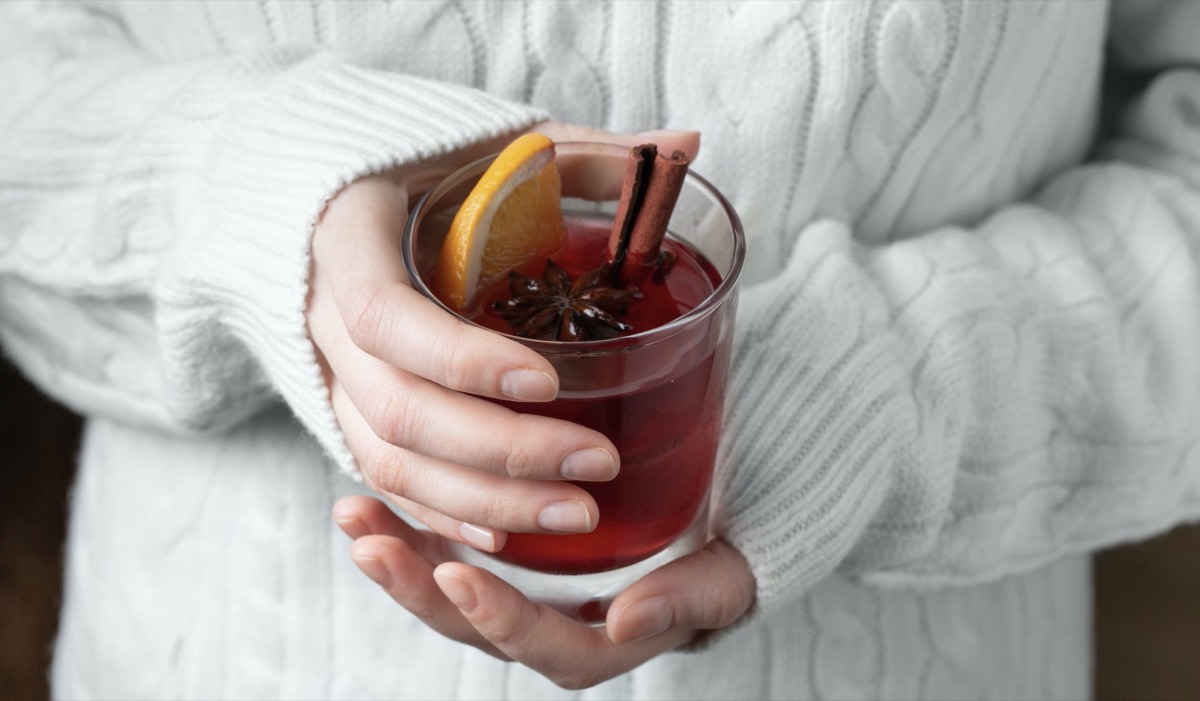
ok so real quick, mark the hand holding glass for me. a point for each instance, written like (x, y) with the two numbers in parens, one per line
(657, 393)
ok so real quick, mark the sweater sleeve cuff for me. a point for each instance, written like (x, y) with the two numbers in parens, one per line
(819, 420)
(280, 155)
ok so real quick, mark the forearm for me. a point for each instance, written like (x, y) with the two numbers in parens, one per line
(167, 210)
(971, 403)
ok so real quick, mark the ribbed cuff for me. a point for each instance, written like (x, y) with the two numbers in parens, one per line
(281, 153)
(818, 422)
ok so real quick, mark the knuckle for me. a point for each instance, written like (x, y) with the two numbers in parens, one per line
(511, 631)
(496, 512)
(520, 458)
(506, 635)
(391, 470)
(727, 599)
(453, 363)
(423, 611)
(727, 608)
(391, 415)
(366, 315)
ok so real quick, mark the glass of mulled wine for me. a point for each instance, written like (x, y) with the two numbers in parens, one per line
(656, 390)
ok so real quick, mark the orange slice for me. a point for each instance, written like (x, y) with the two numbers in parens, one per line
(510, 219)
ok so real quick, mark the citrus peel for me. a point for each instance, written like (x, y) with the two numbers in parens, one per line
(510, 219)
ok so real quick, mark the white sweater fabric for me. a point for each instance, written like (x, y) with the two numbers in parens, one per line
(967, 351)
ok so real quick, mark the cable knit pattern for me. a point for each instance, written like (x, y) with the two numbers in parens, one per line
(192, 209)
(966, 351)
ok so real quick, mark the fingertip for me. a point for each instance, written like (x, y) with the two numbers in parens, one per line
(709, 589)
(529, 385)
(568, 516)
(454, 582)
(639, 620)
(589, 465)
(347, 507)
(352, 527)
(347, 514)
(370, 561)
(482, 538)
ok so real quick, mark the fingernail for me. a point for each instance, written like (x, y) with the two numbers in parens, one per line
(353, 527)
(478, 537)
(645, 619)
(376, 570)
(566, 517)
(528, 385)
(457, 591)
(589, 465)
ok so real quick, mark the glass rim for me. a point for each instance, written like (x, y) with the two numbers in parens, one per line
(619, 343)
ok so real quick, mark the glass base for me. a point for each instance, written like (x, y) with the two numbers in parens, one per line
(583, 597)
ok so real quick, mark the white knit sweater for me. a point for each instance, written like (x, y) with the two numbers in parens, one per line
(968, 348)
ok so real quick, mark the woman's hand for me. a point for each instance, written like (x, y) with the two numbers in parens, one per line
(405, 378)
(669, 607)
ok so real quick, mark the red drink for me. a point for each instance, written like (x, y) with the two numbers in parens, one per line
(666, 429)
(656, 391)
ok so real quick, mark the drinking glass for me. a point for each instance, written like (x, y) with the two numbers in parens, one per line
(657, 393)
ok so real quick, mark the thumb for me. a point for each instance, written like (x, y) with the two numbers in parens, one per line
(667, 140)
(601, 180)
(706, 590)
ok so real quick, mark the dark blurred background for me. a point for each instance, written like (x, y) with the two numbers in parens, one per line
(1147, 595)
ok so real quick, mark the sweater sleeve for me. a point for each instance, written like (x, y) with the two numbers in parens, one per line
(155, 217)
(976, 402)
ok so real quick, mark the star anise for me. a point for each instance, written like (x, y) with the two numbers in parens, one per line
(559, 308)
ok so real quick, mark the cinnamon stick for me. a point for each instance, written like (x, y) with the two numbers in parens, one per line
(648, 195)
